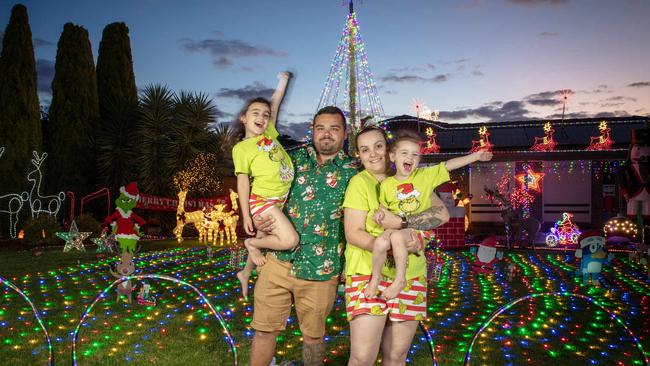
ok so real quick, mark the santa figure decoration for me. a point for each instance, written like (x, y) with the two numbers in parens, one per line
(486, 256)
(592, 254)
(635, 176)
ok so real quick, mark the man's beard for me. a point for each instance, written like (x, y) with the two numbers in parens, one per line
(327, 148)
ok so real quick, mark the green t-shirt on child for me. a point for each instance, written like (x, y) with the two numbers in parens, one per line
(265, 160)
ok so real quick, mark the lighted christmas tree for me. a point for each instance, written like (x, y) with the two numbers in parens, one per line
(350, 84)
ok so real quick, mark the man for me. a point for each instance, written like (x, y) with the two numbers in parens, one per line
(308, 275)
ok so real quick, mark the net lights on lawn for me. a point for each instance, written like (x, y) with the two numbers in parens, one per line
(564, 232)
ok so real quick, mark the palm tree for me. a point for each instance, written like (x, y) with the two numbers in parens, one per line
(154, 144)
(115, 145)
(193, 113)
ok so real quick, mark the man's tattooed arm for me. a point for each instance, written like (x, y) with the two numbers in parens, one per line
(427, 219)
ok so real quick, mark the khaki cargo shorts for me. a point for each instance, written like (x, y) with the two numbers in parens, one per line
(273, 294)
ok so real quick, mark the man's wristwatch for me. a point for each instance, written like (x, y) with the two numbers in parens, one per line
(404, 223)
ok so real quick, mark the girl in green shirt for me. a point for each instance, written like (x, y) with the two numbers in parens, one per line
(260, 156)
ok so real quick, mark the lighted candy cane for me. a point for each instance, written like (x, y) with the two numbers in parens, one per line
(566, 294)
(102, 295)
(36, 315)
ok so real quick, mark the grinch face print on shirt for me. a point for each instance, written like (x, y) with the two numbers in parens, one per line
(277, 155)
(408, 198)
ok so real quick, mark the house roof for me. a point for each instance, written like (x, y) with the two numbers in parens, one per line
(513, 140)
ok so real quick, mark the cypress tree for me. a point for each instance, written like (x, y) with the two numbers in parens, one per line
(118, 101)
(20, 124)
(115, 78)
(73, 114)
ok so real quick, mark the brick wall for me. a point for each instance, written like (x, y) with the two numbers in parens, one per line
(452, 234)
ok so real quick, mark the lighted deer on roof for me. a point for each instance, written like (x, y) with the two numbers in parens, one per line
(12, 203)
(546, 143)
(602, 142)
(483, 142)
(38, 203)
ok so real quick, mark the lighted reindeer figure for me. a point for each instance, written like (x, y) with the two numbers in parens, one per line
(602, 142)
(37, 202)
(431, 146)
(546, 143)
(12, 204)
(483, 142)
(230, 219)
(185, 218)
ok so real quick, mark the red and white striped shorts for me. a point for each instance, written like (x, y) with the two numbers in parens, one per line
(259, 205)
(410, 304)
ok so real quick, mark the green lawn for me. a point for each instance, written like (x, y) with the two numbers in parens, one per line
(180, 329)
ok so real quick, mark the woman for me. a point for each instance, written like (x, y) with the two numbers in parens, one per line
(369, 328)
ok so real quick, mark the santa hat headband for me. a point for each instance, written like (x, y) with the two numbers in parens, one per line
(131, 190)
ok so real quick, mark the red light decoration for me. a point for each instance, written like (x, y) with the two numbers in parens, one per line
(602, 142)
(430, 146)
(530, 180)
(483, 142)
(546, 143)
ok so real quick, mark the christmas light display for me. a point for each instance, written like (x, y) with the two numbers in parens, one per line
(106, 243)
(73, 238)
(546, 143)
(506, 307)
(529, 179)
(430, 146)
(483, 142)
(602, 142)
(38, 203)
(350, 84)
(117, 282)
(564, 232)
(620, 230)
(554, 328)
(36, 313)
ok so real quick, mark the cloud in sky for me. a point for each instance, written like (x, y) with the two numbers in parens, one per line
(546, 98)
(44, 75)
(639, 84)
(538, 2)
(414, 78)
(297, 130)
(225, 50)
(248, 92)
(495, 111)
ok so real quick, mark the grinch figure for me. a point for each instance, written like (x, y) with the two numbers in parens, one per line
(124, 222)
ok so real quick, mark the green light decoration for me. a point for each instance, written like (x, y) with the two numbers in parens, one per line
(509, 305)
(350, 84)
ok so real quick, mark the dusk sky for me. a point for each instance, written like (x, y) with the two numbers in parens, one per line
(474, 60)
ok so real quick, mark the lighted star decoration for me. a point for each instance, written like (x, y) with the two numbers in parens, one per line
(73, 238)
(105, 243)
(530, 179)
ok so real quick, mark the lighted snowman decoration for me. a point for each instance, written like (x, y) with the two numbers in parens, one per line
(486, 256)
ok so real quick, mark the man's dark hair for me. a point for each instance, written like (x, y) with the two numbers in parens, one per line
(330, 109)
